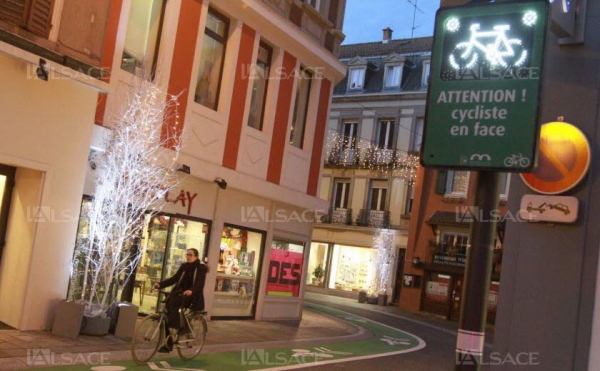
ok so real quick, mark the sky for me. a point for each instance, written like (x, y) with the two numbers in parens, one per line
(365, 19)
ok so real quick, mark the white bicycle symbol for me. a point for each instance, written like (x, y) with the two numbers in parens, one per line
(495, 46)
(516, 160)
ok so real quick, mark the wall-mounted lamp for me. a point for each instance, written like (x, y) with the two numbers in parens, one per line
(41, 71)
(416, 262)
(221, 182)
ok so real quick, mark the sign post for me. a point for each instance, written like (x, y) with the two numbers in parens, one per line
(482, 114)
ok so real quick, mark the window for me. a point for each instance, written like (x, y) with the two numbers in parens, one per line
(314, 3)
(212, 58)
(378, 195)
(425, 77)
(457, 183)
(393, 76)
(504, 186)
(301, 108)
(350, 135)
(317, 263)
(285, 268)
(341, 194)
(418, 134)
(142, 38)
(259, 87)
(454, 243)
(33, 15)
(385, 137)
(356, 78)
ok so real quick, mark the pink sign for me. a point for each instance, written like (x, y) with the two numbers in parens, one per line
(285, 271)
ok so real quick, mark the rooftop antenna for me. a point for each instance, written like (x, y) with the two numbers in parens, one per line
(414, 5)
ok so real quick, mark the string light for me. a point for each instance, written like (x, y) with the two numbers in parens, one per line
(380, 264)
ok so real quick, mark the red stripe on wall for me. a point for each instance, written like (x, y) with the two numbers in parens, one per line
(319, 139)
(181, 66)
(240, 89)
(282, 115)
(108, 53)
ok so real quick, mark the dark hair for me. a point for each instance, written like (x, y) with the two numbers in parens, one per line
(194, 251)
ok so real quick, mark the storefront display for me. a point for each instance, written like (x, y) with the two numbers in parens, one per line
(165, 240)
(317, 264)
(285, 268)
(237, 271)
(350, 268)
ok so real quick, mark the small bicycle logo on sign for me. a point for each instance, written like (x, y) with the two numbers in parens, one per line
(516, 160)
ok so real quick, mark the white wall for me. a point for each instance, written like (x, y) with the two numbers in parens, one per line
(46, 127)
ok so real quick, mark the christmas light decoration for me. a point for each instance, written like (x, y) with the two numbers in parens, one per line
(133, 175)
(364, 155)
(381, 263)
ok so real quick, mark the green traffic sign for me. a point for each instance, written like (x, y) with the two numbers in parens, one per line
(483, 98)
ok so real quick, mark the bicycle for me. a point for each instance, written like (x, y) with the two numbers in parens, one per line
(494, 44)
(516, 160)
(153, 331)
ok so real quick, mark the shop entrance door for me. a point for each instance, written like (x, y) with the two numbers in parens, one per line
(455, 298)
(165, 240)
(399, 274)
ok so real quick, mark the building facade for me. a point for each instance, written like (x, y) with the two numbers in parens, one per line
(374, 132)
(254, 80)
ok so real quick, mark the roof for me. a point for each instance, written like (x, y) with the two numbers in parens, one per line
(378, 48)
(376, 52)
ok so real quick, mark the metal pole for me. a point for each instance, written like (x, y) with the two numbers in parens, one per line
(478, 274)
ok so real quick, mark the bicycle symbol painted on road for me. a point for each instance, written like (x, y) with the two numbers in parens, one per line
(516, 160)
(493, 44)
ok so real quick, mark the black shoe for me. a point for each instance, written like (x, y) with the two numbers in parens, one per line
(165, 349)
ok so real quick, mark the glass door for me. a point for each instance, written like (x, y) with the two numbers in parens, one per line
(150, 267)
(184, 234)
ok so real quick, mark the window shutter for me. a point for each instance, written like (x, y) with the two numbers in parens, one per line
(440, 185)
(14, 11)
(40, 17)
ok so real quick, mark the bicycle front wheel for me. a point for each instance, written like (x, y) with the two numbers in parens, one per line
(190, 345)
(146, 339)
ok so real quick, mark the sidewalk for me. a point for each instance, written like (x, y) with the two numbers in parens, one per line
(223, 335)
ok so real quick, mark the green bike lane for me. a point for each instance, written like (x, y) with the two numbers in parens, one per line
(385, 341)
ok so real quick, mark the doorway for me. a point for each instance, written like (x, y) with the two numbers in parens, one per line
(399, 274)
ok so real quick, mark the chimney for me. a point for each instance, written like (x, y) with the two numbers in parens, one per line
(387, 35)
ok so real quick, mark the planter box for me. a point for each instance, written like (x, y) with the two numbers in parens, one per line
(382, 299)
(362, 297)
(67, 322)
(123, 319)
(372, 299)
(97, 326)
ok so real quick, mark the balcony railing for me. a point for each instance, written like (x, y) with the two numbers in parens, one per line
(338, 215)
(373, 218)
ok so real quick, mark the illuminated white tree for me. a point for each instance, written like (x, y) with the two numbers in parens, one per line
(381, 262)
(134, 173)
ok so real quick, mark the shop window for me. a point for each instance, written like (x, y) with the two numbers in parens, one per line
(164, 243)
(301, 108)
(454, 244)
(317, 264)
(7, 181)
(285, 268)
(437, 288)
(259, 86)
(212, 59)
(142, 38)
(350, 268)
(237, 272)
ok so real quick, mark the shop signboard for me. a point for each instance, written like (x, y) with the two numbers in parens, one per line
(285, 271)
(483, 98)
(450, 260)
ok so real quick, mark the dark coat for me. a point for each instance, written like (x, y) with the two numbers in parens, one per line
(189, 276)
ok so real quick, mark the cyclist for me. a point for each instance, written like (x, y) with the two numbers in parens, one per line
(189, 281)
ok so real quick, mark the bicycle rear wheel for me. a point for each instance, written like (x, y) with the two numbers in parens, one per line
(190, 345)
(146, 339)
